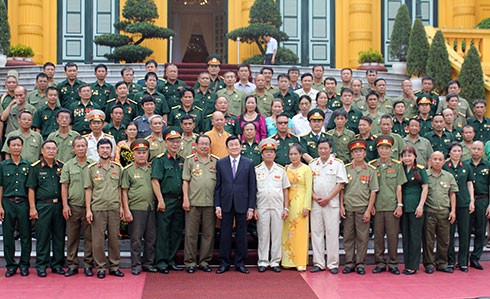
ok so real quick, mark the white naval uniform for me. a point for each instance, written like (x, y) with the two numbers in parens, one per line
(270, 205)
(92, 145)
(325, 220)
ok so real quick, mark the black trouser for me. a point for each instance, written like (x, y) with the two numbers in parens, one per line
(478, 221)
(240, 237)
(412, 239)
(16, 211)
(463, 224)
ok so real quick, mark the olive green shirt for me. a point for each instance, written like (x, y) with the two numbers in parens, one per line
(371, 150)
(168, 171)
(32, 145)
(340, 142)
(423, 148)
(201, 176)
(188, 145)
(463, 106)
(65, 145)
(361, 182)
(390, 176)
(12, 122)
(161, 104)
(13, 177)
(45, 180)
(412, 189)
(482, 129)
(157, 146)
(321, 87)
(411, 108)
(236, 100)
(177, 112)
(385, 105)
(360, 103)
(36, 99)
(74, 175)
(438, 199)
(264, 102)
(130, 108)
(397, 147)
(136, 179)
(400, 127)
(105, 184)
(5, 100)
(118, 133)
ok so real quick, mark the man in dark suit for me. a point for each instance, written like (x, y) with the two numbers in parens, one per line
(234, 198)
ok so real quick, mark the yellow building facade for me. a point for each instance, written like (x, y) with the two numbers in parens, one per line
(329, 32)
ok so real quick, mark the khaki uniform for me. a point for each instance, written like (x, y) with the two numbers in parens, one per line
(188, 145)
(397, 147)
(201, 176)
(437, 225)
(270, 205)
(65, 145)
(31, 150)
(157, 146)
(361, 182)
(236, 100)
(411, 108)
(360, 103)
(325, 220)
(105, 203)
(340, 142)
(73, 174)
(12, 122)
(385, 105)
(264, 102)
(36, 99)
(423, 148)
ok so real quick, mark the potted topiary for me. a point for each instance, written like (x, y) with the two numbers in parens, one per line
(399, 40)
(418, 51)
(371, 59)
(21, 52)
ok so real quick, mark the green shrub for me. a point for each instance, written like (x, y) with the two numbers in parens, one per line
(471, 76)
(438, 65)
(4, 29)
(369, 56)
(20, 51)
(484, 24)
(418, 50)
(400, 34)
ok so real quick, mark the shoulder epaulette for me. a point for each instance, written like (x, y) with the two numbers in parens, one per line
(375, 136)
(35, 163)
(313, 160)
(159, 156)
(420, 166)
(221, 77)
(137, 117)
(330, 133)
(435, 93)
(357, 136)
(131, 101)
(91, 165)
(107, 134)
(339, 160)
(111, 100)
(117, 163)
(396, 161)
(280, 166)
(372, 166)
(61, 162)
(372, 161)
(198, 108)
(127, 166)
(260, 164)
(462, 114)
(417, 91)
(176, 107)
(142, 78)
(86, 135)
(191, 155)
(209, 115)
(348, 164)
(214, 156)
(293, 135)
(304, 134)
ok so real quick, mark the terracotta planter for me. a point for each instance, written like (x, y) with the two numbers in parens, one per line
(373, 65)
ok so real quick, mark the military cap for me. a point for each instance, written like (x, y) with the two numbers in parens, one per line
(423, 100)
(316, 114)
(213, 59)
(140, 144)
(96, 114)
(384, 140)
(172, 132)
(357, 143)
(268, 143)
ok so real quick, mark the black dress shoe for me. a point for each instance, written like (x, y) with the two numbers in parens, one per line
(262, 269)
(24, 272)
(409, 271)
(361, 271)
(476, 265)
(395, 271)
(117, 273)
(10, 272)
(429, 270)
(101, 274)
(135, 271)
(205, 268)
(58, 271)
(150, 269)
(222, 269)
(316, 269)
(276, 269)
(347, 270)
(71, 272)
(464, 269)
(446, 270)
(42, 273)
(163, 270)
(88, 272)
(174, 267)
(334, 270)
(191, 269)
(378, 270)
(242, 269)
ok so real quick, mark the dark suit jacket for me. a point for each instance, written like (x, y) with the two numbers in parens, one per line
(241, 191)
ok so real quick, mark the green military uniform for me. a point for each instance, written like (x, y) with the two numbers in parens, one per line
(136, 179)
(231, 124)
(400, 127)
(340, 142)
(425, 125)
(73, 174)
(283, 145)
(161, 104)
(45, 120)
(353, 117)
(423, 148)
(361, 182)
(105, 203)
(13, 178)
(320, 86)
(79, 120)
(170, 223)
(463, 174)
(188, 145)
(459, 121)
(160, 82)
(457, 134)
(36, 99)
(133, 89)
(360, 103)
(482, 129)
(478, 220)
(440, 143)
(236, 100)
(411, 225)
(390, 176)
(68, 93)
(371, 150)
(264, 102)
(172, 92)
(334, 102)
(215, 84)
(385, 105)
(102, 93)
(130, 109)
(206, 101)
(118, 133)
(177, 112)
(436, 223)
(290, 101)
(411, 108)
(5, 100)
(463, 107)
(32, 144)
(65, 144)
(252, 152)
(309, 143)
(432, 96)
(157, 146)
(201, 176)
(50, 226)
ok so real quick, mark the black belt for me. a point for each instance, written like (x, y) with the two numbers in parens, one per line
(16, 199)
(479, 196)
(174, 196)
(51, 200)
